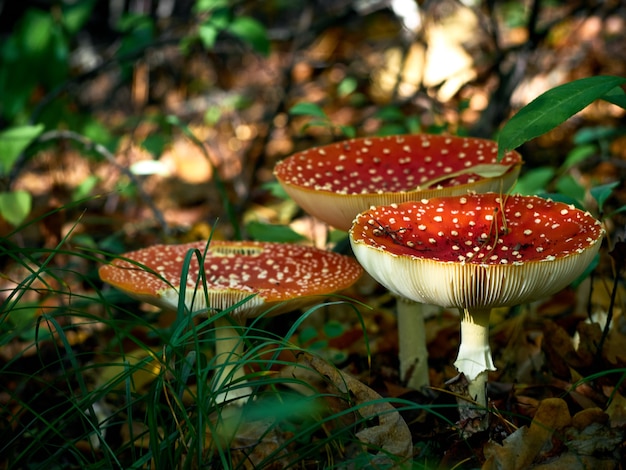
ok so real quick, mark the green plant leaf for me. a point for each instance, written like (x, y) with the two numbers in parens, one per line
(569, 186)
(552, 108)
(13, 142)
(347, 86)
(252, 32)
(577, 155)
(534, 181)
(602, 193)
(15, 206)
(207, 32)
(76, 14)
(308, 109)
(272, 233)
(208, 5)
(616, 96)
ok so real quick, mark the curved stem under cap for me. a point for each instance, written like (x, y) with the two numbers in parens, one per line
(474, 358)
(229, 350)
(412, 347)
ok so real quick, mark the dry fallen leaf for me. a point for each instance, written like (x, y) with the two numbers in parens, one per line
(520, 449)
(389, 433)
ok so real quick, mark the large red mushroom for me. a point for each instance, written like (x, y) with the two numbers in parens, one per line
(476, 252)
(253, 277)
(336, 182)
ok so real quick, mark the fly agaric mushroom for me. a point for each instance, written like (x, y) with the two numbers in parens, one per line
(475, 252)
(266, 274)
(336, 182)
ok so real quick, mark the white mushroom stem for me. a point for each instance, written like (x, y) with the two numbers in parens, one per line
(412, 349)
(474, 358)
(229, 351)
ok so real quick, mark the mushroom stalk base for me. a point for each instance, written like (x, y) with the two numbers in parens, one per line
(229, 350)
(413, 352)
(474, 361)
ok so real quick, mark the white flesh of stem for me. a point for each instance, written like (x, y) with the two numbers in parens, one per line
(229, 350)
(413, 353)
(474, 358)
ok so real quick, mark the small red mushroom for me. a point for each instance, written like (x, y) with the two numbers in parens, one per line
(336, 182)
(476, 252)
(250, 278)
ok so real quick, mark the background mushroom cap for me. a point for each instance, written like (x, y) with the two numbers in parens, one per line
(458, 252)
(234, 271)
(335, 182)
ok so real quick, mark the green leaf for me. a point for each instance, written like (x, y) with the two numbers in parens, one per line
(588, 135)
(577, 155)
(308, 109)
(13, 142)
(616, 96)
(76, 14)
(616, 100)
(347, 86)
(208, 5)
(333, 329)
(348, 131)
(272, 233)
(602, 193)
(85, 188)
(552, 108)
(207, 32)
(569, 186)
(534, 181)
(252, 32)
(15, 206)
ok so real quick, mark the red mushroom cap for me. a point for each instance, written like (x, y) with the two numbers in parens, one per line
(234, 271)
(479, 250)
(335, 182)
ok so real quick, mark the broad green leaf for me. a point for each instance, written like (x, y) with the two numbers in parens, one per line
(207, 32)
(618, 100)
(577, 155)
(272, 233)
(348, 131)
(15, 206)
(617, 96)
(569, 186)
(534, 181)
(76, 14)
(588, 135)
(13, 142)
(308, 109)
(552, 108)
(252, 32)
(602, 193)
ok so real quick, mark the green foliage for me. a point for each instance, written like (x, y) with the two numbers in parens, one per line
(15, 206)
(37, 53)
(13, 142)
(394, 122)
(272, 233)
(554, 107)
(220, 18)
(320, 118)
